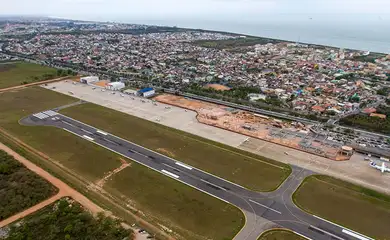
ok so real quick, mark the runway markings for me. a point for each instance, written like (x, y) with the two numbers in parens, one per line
(108, 140)
(40, 116)
(345, 230)
(212, 184)
(302, 236)
(250, 200)
(101, 132)
(169, 174)
(50, 113)
(183, 165)
(88, 138)
(323, 231)
(174, 159)
(86, 131)
(141, 154)
(356, 235)
(68, 123)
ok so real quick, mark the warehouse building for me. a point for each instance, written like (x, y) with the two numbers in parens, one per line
(115, 86)
(89, 80)
(146, 92)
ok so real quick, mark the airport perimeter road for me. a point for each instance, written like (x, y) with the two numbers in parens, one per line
(275, 208)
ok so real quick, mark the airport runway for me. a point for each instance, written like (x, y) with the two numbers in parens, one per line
(276, 207)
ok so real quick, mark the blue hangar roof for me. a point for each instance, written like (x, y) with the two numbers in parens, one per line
(145, 90)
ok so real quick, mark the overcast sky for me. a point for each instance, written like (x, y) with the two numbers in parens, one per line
(243, 10)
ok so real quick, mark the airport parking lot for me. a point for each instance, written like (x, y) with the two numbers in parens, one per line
(355, 170)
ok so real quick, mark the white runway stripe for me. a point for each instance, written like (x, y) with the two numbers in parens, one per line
(183, 165)
(88, 138)
(169, 174)
(101, 132)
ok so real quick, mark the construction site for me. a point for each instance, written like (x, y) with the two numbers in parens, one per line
(290, 134)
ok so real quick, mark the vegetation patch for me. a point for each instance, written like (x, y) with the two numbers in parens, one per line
(249, 170)
(67, 220)
(17, 73)
(235, 42)
(374, 124)
(280, 234)
(19, 187)
(345, 204)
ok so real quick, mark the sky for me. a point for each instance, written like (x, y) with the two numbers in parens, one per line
(227, 10)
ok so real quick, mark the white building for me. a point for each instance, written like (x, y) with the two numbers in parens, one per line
(115, 86)
(89, 80)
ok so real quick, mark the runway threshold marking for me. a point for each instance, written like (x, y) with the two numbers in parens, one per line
(345, 230)
(88, 138)
(169, 174)
(356, 235)
(250, 200)
(183, 165)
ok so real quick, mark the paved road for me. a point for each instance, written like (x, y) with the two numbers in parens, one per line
(262, 210)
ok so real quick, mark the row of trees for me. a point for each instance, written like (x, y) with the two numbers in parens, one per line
(48, 76)
(374, 124)
(66, 220)
(19, 187)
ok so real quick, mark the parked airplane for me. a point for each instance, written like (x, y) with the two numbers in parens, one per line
(382, 167)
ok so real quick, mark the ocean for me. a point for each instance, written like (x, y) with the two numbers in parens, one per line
(371, 35)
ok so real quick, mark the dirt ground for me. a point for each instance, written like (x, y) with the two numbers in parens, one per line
(218, 87)
(101, 83)
(102, 181)
(291, 134)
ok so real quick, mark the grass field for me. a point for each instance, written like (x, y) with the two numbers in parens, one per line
(351, 206)
(280, 235)
(92, 162)
(238, 166)
(17, 73)
(170, 202)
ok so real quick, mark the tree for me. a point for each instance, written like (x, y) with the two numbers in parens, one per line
(383, 91)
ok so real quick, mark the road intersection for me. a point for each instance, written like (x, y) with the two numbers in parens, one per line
(262, 210)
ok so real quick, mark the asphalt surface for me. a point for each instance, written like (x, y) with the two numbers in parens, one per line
(276, 207)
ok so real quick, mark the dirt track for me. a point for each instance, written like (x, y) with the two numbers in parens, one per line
(64, 190)
(31, 210)
(32, 84)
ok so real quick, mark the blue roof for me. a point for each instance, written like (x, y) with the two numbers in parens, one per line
(145, 90)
